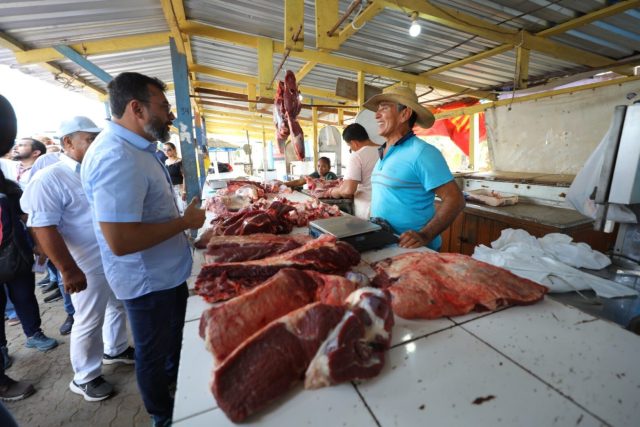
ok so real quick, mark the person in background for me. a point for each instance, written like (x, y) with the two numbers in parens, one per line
(60, 218)
(174, 166)
(410, 173)
(20, 289)
(145, 253)
(356, 182)
(323, 171)
(160, 155)
(52, 283)
(10, 389)
(25, 153)
(47, 141)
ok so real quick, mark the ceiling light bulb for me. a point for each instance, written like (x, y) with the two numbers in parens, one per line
(415, 28)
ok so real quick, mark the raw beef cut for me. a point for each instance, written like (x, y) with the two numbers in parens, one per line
(221, 281)
(272, 360)
(355, 348)
(431, 285)
(226, 325)
(247, 248)
(251, 221)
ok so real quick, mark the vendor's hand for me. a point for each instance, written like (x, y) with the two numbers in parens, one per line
(74, 280)
(194, 216)
(412, 239)
(184, 196)
(326, 195)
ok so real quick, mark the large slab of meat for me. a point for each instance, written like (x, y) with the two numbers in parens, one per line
(225, 326)
(252, 247)
(251, 220)
(275, 359)
(432, 285)
(221, 281)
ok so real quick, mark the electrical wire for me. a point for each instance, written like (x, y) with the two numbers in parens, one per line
(469, 38)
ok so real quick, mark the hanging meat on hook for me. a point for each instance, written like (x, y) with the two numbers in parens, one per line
(286, 108)
(280, 118)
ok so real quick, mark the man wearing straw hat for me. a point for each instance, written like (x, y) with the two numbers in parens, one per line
(410, 173)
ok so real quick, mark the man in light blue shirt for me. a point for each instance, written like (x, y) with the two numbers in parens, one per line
(60, 218)
(410, 173)
(145, 253)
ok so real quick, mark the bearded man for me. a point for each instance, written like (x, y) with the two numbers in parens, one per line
(145, 253)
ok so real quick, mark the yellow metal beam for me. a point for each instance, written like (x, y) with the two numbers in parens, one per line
(469, 24)
(361, 99)
(294, 24)
(371, 11)
(558, 29)
(97, 47)
(216, 86)
(314, 121)
(326, 17)
(265, 67)
(522, 62)
(170, 15)
(331, 60)
(17, 47)
(589, 17)
(236, 77)
(251, 96)
(482, 107)
(468, 60)
(356, 65)
(306, 69)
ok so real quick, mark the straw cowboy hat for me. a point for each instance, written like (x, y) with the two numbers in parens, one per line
(405, 96)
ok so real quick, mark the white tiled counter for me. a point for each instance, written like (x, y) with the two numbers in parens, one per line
(540, 365)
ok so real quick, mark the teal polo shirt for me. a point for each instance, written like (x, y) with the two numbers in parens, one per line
(403, 184)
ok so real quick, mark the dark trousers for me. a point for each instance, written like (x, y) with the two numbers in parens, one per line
(156, 321)
(21, 291)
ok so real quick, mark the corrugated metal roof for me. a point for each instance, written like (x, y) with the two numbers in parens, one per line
(383, 41)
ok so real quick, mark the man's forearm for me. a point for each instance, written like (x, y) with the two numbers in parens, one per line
(53, 246)
(128, 237)
(446, 213)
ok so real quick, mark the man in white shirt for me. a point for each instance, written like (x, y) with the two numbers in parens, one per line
(60, 217)
(357, 180)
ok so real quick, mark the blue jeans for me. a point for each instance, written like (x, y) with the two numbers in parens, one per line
(10, 310)
(21, 291)
(156, 321)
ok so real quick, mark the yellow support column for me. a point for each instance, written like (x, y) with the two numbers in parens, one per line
(361, 99)
(522, 62)
(251, 96)
(265, 67)
(294, 25)
(340, 117)
(314, 116)
(473, 140)
(326, 17)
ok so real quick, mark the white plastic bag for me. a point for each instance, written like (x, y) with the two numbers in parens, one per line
(583, 185)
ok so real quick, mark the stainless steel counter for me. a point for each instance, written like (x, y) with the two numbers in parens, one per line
(539, 214)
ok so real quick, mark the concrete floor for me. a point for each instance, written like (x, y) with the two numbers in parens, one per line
(50, 372)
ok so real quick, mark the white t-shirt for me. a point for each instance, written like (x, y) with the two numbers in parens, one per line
(359, 168)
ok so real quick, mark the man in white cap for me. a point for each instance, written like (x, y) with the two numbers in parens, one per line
(410, 173)
(60, 217)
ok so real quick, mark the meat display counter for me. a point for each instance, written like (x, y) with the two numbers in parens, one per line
(545, 364)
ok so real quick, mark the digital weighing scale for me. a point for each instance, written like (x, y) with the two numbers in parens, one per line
(361, 234)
